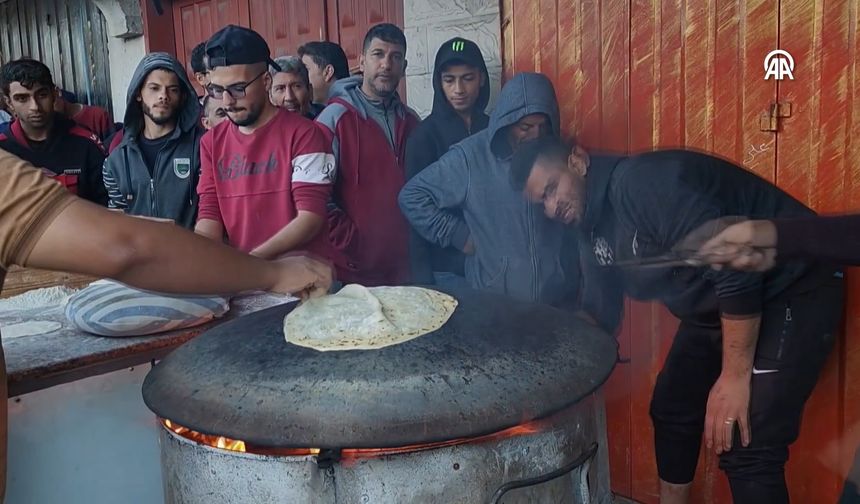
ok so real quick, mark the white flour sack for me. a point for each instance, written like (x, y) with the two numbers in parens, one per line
(109, 308)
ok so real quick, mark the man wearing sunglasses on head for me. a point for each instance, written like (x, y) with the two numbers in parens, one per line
(266, 174)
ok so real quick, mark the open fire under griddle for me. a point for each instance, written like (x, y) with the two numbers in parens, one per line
(496, 406)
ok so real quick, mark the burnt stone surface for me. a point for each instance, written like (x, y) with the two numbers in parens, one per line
(495, 364)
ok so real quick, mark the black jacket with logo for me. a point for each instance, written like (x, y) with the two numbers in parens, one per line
(433, 137)
(71, 152)
(171, 191)
(643, 206)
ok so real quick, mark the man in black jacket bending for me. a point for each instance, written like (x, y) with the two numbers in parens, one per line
(750, 346)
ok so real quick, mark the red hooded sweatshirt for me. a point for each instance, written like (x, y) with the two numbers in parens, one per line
(368, 232)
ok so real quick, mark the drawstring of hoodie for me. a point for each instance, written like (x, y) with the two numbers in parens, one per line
(129, 196)
(192, 185)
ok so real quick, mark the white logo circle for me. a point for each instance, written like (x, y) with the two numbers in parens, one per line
(778, 52)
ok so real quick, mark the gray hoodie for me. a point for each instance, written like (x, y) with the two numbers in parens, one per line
(171, 191)
(517, 248)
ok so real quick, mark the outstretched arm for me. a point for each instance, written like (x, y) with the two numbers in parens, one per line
(86, 239)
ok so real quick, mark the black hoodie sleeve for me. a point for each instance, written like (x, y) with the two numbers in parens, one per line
(661, 209)
(420, 153)
(834, 239)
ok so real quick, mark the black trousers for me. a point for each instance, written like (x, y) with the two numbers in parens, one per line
(796, 336)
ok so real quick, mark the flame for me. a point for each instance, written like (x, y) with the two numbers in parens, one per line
(351, 454)
(216, 441)
(523, 429)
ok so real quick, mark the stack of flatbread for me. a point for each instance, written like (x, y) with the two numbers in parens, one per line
(361, 318)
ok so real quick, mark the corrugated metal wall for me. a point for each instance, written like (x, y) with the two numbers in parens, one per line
(638, 74)
(68, 36)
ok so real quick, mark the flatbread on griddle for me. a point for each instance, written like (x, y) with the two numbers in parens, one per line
(361, 318)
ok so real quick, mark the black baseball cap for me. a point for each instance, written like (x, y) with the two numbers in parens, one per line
(237, 45)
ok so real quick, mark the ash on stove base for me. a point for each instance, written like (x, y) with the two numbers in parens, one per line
(463, 473)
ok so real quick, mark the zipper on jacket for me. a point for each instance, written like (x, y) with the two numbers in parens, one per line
(784, 335)
(152, 196)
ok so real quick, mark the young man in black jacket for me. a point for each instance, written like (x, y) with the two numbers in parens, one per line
(154, 170)
(65, 151)
(461, 88)
(749, 348)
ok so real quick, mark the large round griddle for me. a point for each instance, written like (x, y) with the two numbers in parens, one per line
(495, 364)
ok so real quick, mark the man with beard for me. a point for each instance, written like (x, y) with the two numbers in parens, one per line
(267, 173)
(749, 347)
(368, 126)
(65, 151)
(291, 87)
(154, 170)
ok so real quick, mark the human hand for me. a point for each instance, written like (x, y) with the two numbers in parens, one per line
(258, 252)
(745, 246)
(732, 241)
(728, 403)
(302, 277)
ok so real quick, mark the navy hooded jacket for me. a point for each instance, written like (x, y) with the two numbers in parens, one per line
(467, 193)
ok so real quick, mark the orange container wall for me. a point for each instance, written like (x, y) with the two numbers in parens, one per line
(636, 74)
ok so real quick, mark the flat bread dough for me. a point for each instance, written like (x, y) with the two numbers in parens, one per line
(32, 328)
(361, 318)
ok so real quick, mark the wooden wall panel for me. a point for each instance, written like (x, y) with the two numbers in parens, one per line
(817, 159)
(69, 37)
(642, 74)
(159, 31)
(851, 183)
(287, 24)
(196, 20)
(355, 17)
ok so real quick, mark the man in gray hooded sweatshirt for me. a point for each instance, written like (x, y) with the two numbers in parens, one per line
(464, 200)
(154, 170)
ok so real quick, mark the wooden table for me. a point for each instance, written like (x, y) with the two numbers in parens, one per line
(68, 354)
